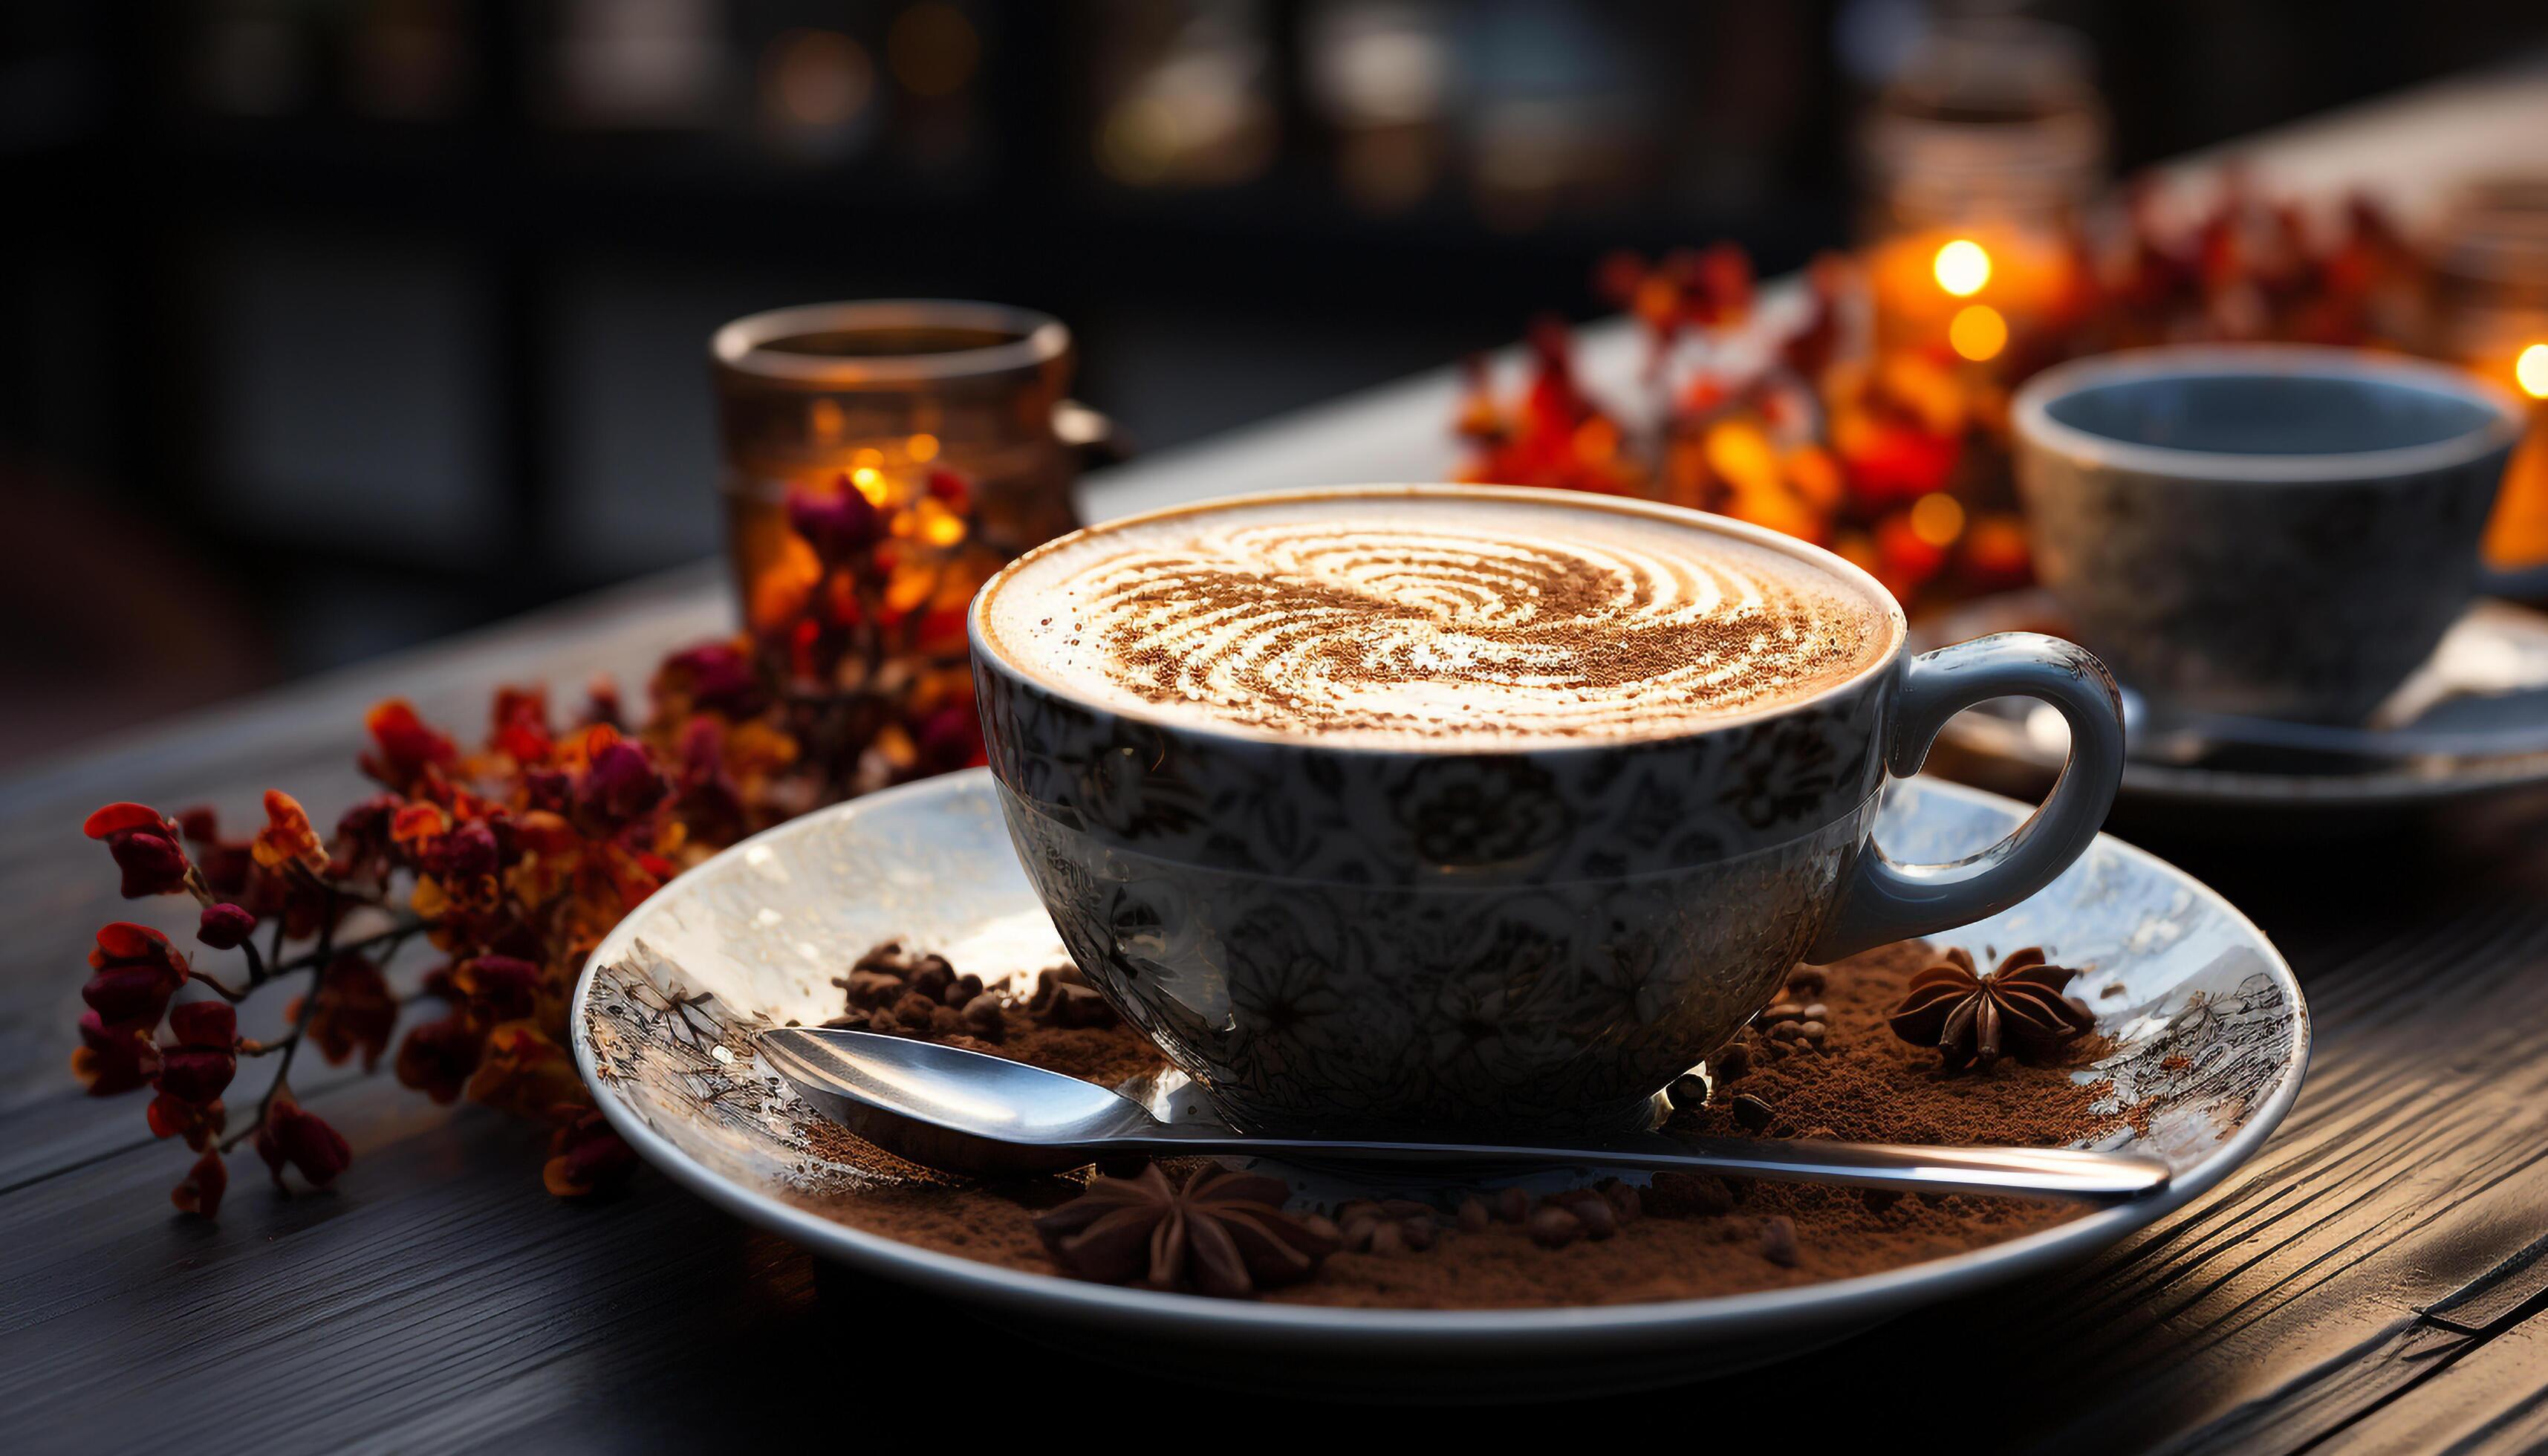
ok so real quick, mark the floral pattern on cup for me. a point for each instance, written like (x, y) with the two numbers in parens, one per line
(1318, 1005)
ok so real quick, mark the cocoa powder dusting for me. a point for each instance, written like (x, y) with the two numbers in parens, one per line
(1683, 1236)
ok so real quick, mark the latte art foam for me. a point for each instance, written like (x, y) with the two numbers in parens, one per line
(1413, 616)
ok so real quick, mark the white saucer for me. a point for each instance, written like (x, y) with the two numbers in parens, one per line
(2489, 675)
(2210, 1025)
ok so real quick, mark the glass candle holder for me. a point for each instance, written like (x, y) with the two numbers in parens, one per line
(1978, 162)
(2491, 314)
(881, 460)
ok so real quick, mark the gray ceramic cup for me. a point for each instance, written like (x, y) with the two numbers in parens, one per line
(2263, 529)
(1396, 941)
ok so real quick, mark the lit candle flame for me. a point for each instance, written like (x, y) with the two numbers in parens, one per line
(2530, 371)
(1962, 267)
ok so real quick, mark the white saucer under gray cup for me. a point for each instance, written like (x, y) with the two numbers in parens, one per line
(2270, 530)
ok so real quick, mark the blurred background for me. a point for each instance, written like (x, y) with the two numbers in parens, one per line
(328, 327)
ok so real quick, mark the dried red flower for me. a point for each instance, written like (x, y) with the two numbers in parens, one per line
(287, 839)
(112, 1059)
(499, 988)
(840, 526)
(524, 1072)
(363, 843)
(355, 1011)
(226, 927)
(405, 749)
(204, 1056)
(145, 845)
(586, 1156)
(304, 1140)
(137, 972)
(439, 1056)
(225, 864)
(201, 1192)
(717, 678)
(620, 786)
(199, 1122)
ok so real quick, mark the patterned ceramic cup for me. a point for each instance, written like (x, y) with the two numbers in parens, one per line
(2263, 529)
(1357, 940)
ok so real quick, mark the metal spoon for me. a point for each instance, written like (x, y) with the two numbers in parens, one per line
(964, 1112)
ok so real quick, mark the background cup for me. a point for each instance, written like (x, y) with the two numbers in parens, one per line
(1376, 940)
(2262, 529)
(888, 390)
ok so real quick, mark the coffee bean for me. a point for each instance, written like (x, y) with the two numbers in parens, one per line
(1554, 1227)
(1808, 980)
(1731, 1061)
(1322, 1227)
(1357, 1233)
(1813, 1030)
(1688, 1092)
(931, 975)
(1788, 1030)
(1075, 1006)
(855, 1020)
(1599, 1218)
(1623, 1198)
(961, 994)
(1678, 1195)
(1753, 1113)
(1474, 1214)
(982, 1018)
(873, 990)
(1817, 1011)
(1779, 1241)
(884, 957)
(913, 1009)
(1512, 1206)
(1419, 1231)
(1389, 1240)
(1784, 1011)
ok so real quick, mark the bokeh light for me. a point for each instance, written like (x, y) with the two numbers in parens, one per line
(2530, 371)
(1962, 267)
(1938, 519)
(1977, 333)
(817, 79)
(931, 48)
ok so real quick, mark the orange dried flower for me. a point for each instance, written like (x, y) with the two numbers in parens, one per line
(287, 839)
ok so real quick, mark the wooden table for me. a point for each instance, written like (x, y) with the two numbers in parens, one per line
(2372, 1281)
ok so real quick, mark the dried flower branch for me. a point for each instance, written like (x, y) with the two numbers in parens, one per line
(513, 860)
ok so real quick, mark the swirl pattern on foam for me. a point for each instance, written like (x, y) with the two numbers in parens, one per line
(1424, 618)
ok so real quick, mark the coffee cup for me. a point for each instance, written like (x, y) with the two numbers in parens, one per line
(1353, 891)
(2271, 531)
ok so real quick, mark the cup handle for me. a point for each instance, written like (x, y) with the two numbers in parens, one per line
(1095, 438)
(1888, 900)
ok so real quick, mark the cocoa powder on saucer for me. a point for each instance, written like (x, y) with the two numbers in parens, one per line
(1683, 1236)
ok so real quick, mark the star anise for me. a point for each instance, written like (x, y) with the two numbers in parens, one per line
(1223, 1234)
(1970, 1018)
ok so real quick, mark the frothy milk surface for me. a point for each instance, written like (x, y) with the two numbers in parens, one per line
(1418, 618)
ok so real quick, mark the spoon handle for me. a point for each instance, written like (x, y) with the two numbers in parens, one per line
(2020, 1173)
